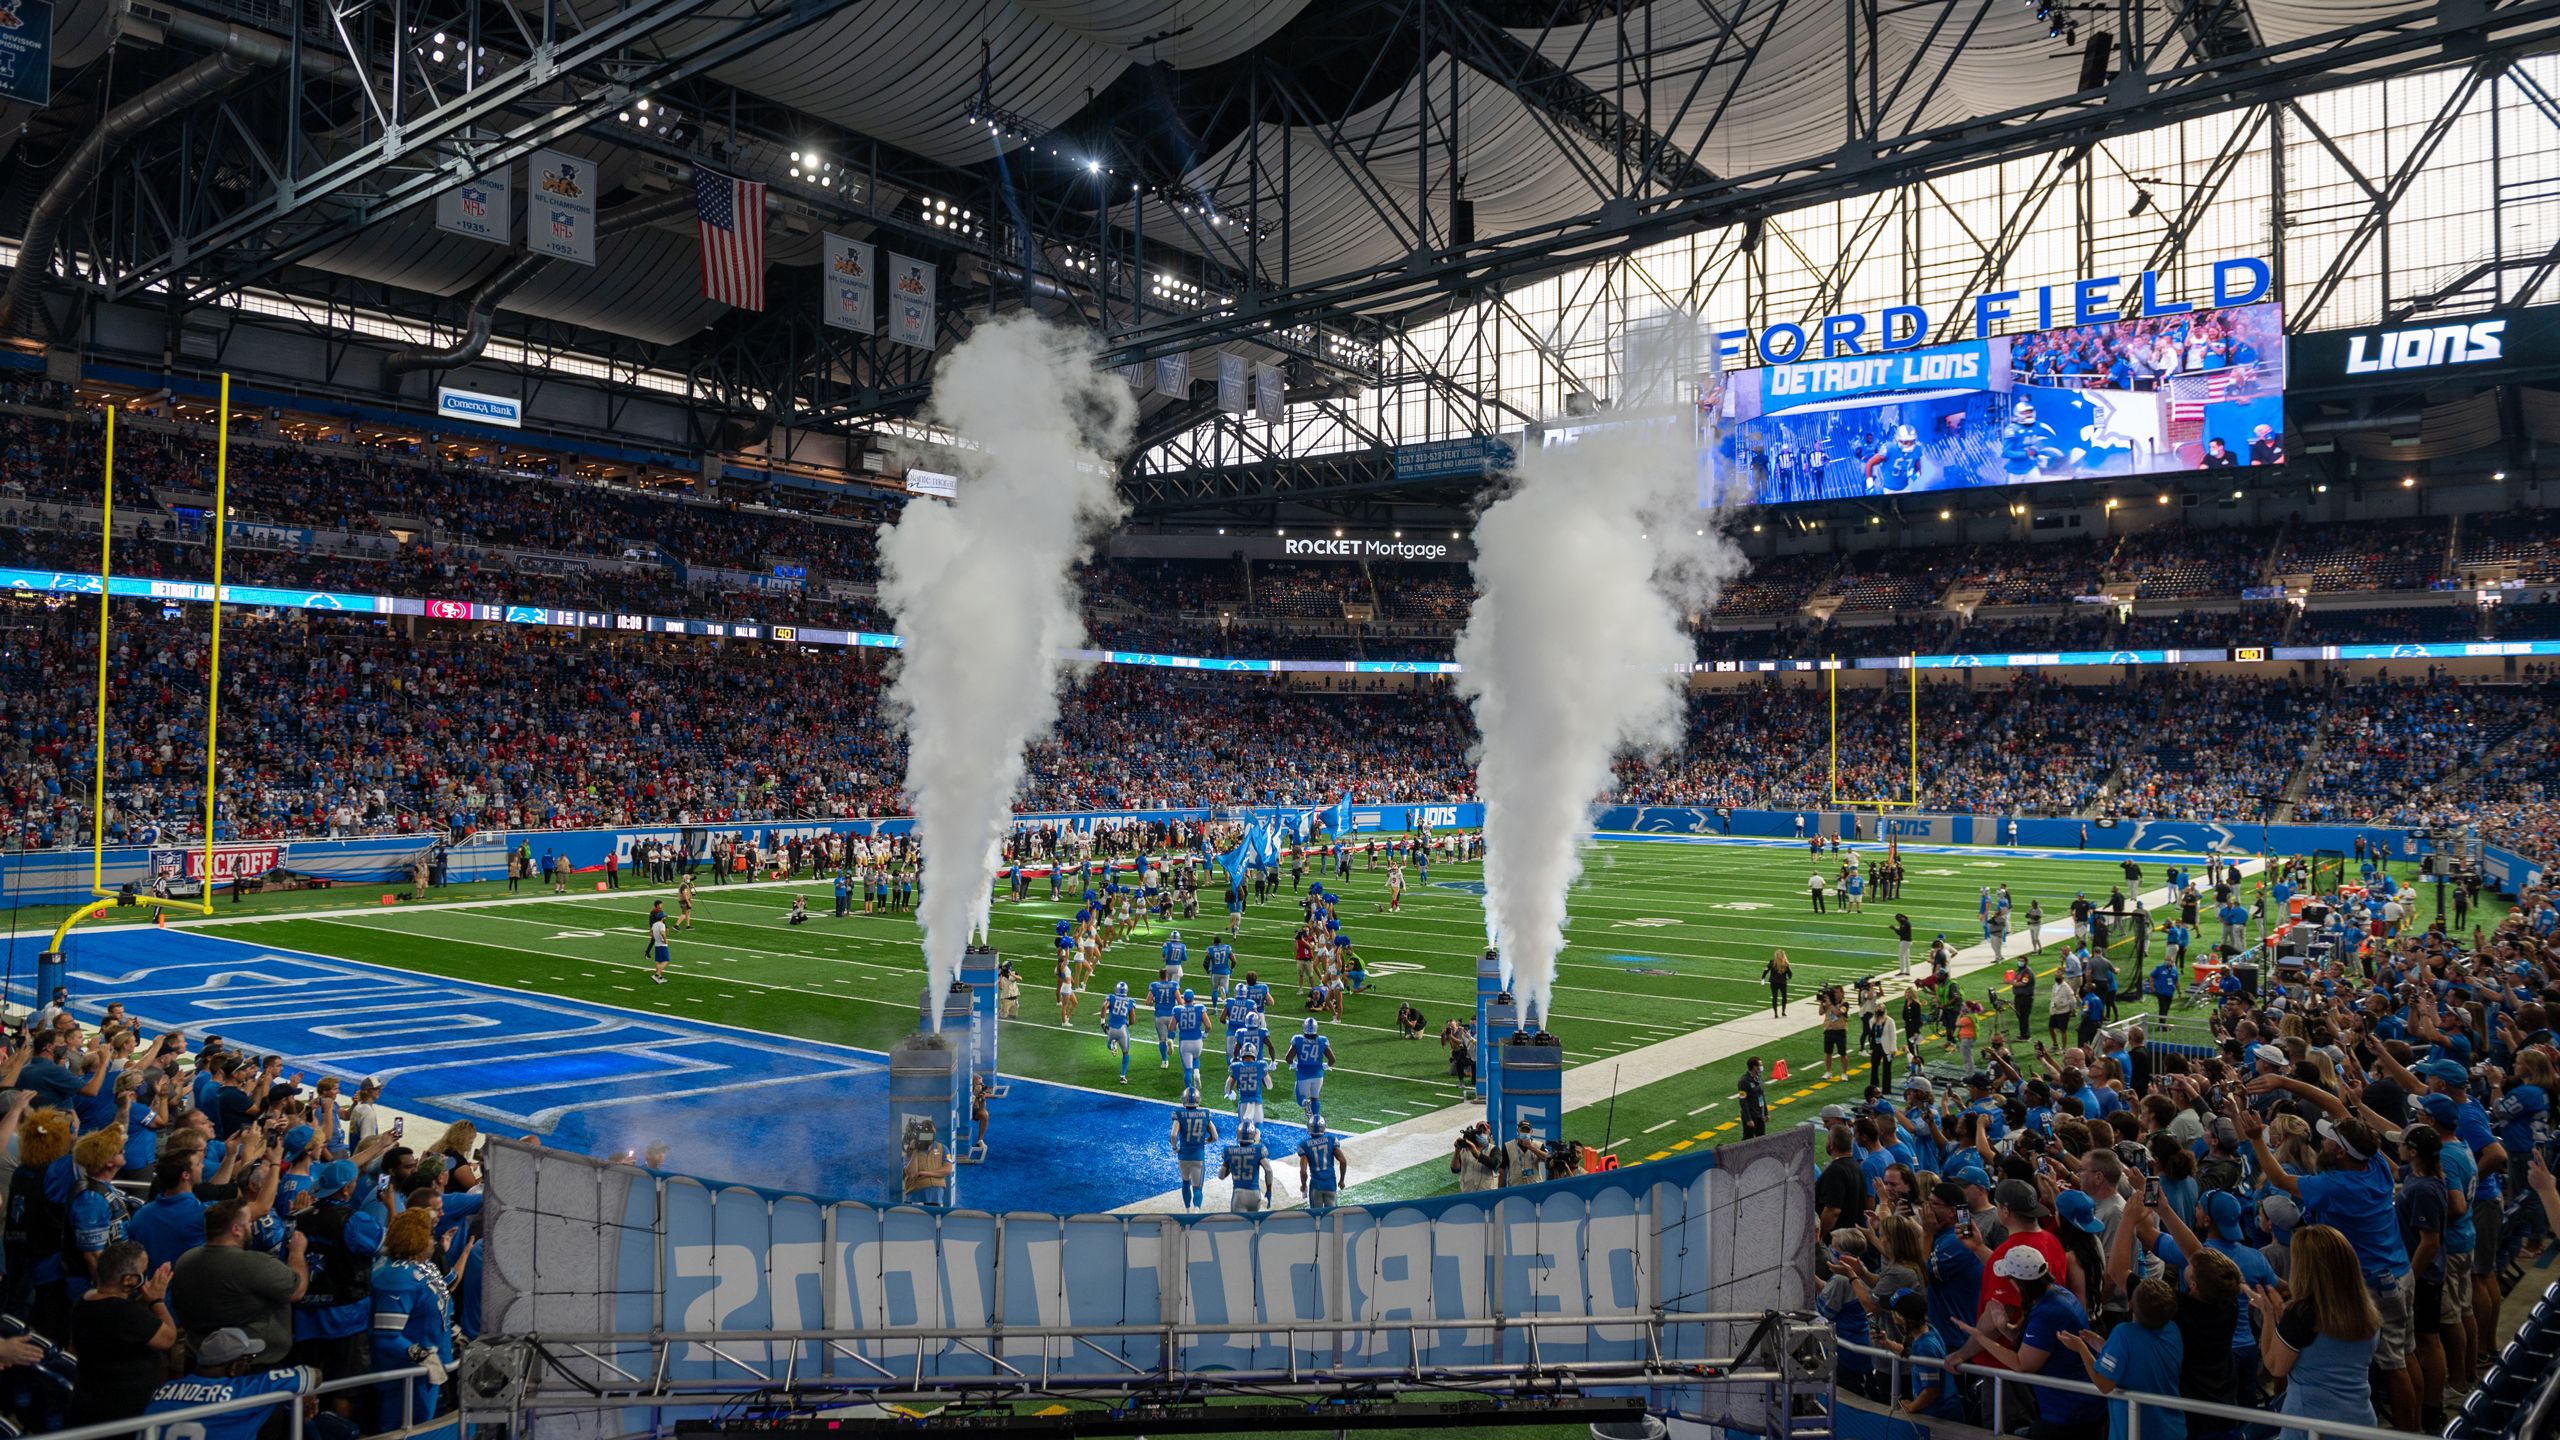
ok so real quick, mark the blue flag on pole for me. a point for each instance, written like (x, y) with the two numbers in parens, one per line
(1233, 863)
(1342, 815)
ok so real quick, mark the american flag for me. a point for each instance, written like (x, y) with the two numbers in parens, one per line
(2188, 394)
(730, 215)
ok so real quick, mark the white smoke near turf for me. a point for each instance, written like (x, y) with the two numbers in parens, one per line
(982, 588)
(1576, 650)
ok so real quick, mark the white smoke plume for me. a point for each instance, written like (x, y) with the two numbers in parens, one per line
(1586, 568)
(982, 589)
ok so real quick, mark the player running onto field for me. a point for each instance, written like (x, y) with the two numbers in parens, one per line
(1116, 1010)
(1249, 1166)
(1194, 1131)
(1164, 994)
(1190, 1028)
(1246, 1076)
(1322, 1167)
(1311, 1054)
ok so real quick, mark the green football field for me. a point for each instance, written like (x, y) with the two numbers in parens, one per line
(1666, 938)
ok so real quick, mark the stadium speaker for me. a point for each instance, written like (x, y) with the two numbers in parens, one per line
(2093, 60)
(1462, 222)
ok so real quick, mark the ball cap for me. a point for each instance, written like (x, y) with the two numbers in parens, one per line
(2019, 1198)
(2079, 1211)
(297, 1141)
(2223, 1208)
(2351, 1136)
(2023, 1262)
(2439, 1068)
(1832, 1113)
(229, 1346)
(1948, 1192)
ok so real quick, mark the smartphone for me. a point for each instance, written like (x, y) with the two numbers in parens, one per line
(400, 1125)
(2151, 1193)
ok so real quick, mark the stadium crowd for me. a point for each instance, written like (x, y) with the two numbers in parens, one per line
(338, 726)
(192, 1223)
(2307, 1194)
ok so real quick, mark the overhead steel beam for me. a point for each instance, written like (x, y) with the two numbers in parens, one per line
(1552, 90)
(2132, 101)
(414, 141)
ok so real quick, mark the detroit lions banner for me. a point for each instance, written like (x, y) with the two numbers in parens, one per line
(1622, 1270)
(1269, 395)
(1173, 375)
(848, 285)
(1820, 382)
(26, 53)
(560, 215)
(482, 209)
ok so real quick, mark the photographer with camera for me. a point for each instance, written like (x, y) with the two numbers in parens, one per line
(1474, 1161)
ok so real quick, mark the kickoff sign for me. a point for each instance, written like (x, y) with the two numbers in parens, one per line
(230, 862)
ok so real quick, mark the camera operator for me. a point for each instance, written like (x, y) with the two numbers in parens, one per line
(1473, 1160)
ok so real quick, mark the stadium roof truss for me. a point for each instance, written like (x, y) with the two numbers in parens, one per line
(1430, 214)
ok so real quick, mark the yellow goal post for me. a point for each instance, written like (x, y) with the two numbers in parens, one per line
(50, 967)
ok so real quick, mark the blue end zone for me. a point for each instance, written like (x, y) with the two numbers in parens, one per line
(730, 1104)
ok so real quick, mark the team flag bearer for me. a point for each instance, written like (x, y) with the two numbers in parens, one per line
(1311, 1053)
(1116, 1010)
(1194, 1131)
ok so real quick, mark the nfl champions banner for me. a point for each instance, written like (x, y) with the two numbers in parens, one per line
(911, 302)
(848, 285)
(480, 208)
(560, 221)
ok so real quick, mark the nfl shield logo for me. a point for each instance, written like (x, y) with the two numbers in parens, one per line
(475, 203)
(563, 226)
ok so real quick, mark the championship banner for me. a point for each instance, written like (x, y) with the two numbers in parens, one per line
(1136, 377)
(1269, 395)
(230, 862)
(911, 301)
(26, 52)
(849, 284)
(1231, 384)
(561, 220)
(482, 208)
(1173, 376)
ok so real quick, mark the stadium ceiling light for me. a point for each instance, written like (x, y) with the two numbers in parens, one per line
(1453, 534)
(2235, 494)
(2408, 482)
(1279, 532)
(1943, 515)
(1337, 534)
(1875, 519)
(2321, 489)
(2164, 499)
(1755, 529)
(1399, 534)
(2500, 475)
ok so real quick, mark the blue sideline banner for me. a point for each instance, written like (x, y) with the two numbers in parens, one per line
(2506, 871)
(578, 1246)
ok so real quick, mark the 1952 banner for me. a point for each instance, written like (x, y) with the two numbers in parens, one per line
(911, 286)
(577, 1247)
(850, 284)
(560, 214)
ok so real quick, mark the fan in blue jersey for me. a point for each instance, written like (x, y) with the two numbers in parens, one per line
(1249, 1166)
(1190, 1028)
(1222, 966)
(1164, 993)
(1117, 1007)
(1322, 1167)
(224, 1371)
(1245, 1079)
(1310, 1053)
(1175, 953)
(1897, 465)
(1194, 1131)
(2028, 445)
(412, 1315)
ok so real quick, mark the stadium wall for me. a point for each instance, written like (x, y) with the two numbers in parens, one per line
(579, 1249)
(2506, 871)
(61, 877)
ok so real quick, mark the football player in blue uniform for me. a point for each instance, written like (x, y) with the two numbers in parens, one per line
(1116, 1010)
(1190, 1027)
(1165, 994)
(1310, 1053)
(1322, 1167)
(1194, 1131)
(1249, 1166)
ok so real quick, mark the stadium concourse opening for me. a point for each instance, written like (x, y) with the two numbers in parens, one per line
(1264, 716)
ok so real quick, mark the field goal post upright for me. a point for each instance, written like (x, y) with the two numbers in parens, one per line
(51, 967)
(1880, 804)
